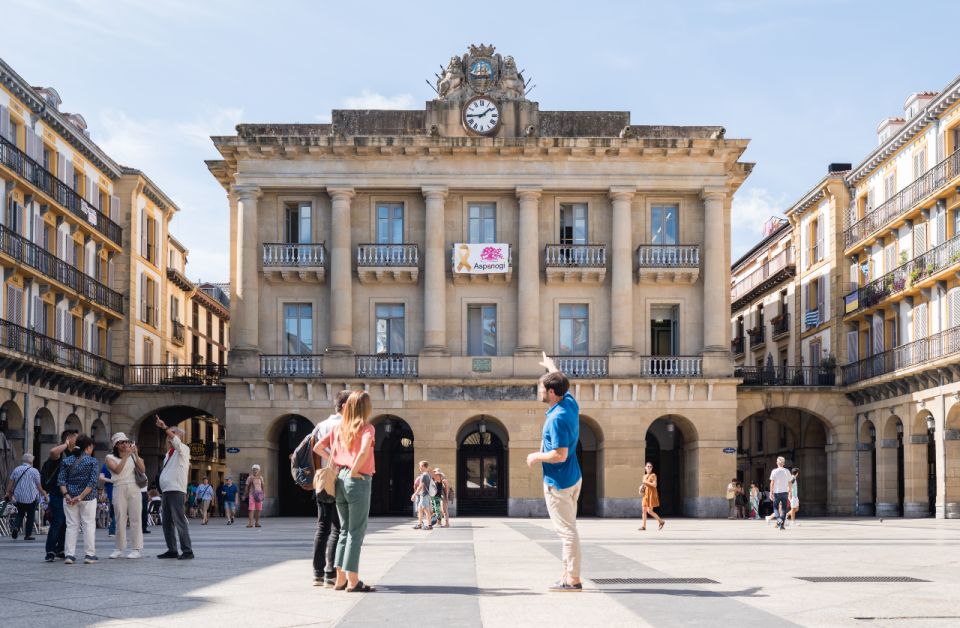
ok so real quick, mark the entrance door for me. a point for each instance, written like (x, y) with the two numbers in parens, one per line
(481, 475)
(663, 330)
(393, 481)
(587, 504)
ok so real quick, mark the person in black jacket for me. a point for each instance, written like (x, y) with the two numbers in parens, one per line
(49, 474)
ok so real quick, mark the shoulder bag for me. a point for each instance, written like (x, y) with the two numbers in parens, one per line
(325, 479)
(139, 476)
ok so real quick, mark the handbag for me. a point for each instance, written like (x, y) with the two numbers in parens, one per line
(139, 476)
(325, 479)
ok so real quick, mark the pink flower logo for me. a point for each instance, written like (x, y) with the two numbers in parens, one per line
(491, 254)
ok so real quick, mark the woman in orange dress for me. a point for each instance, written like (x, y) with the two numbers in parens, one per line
(651, 498)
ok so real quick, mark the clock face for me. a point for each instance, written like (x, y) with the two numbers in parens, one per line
(481, 115)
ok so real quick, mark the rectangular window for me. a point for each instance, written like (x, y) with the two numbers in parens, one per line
(664, 225)
(664, 326)
(147, 351)
(196, 316)
(919, 163)
(573, 223)
(390, 223)
(890, 186)
(574, 329)
(298, 328)
(483, 222)
(482, 330)
(174, 308)
(299, 223)
(390, 329)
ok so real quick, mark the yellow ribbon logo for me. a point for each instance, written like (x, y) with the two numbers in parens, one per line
(464, 265)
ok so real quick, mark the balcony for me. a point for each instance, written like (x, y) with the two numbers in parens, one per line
(737, 346)
(294, 262)
(575, 263)
(915, 273)
(460, 279)
(929, 349)
(757, 336)
(662, 263)
(388, 263)
(786, 375)
(45, 263)
(177, 332)
(175, 375)
(51, 352)
(671, 366)
(772, 273)
(386, 365)
(929, 183)
(58, 191)
(780, 326)
(583, 366)
(291, 365)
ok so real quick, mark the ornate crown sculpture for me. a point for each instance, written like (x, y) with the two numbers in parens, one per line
(482, 50)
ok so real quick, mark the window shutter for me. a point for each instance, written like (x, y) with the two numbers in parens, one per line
(877, 334)
(940, 147)
(156, 243)
(115, 209)
(156, 304)
(941, 224)
(821, 289)
(919, 239)
(852, 341)
(61, 167)
(58, 324)
(890, 257)
(38, 229)
(820, 252)
(37, 307)
(143, 297)
(920, 321)
(953, 305)
(5, 122)
(68, 173)
(143, 233)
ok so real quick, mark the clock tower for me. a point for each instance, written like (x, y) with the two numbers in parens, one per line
(481, 94)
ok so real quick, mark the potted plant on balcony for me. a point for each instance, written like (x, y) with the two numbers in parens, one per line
(827, 376)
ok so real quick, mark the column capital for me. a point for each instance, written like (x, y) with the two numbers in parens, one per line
(341, 192)
(529, 192)
(622, 192)
(714, 193)
(245, 192)
(434, 191)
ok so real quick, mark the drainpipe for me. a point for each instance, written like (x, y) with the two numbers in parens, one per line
(856, 449)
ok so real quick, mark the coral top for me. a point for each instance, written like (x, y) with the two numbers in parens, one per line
(343, 456)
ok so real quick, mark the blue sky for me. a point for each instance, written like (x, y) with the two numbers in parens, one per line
(806, 81)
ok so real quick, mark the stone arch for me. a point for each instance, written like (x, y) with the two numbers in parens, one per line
(890, 468)
(920, 480)
(283, 496)
(45, 434)
(395, 456)
(72, 422)
(672, 447)
(100, 436)
(867, 467)
(590, 457)
(482, 466)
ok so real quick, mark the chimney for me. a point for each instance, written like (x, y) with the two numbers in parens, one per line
(839, 167)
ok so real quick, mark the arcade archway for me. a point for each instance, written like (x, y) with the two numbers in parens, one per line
(890, 469)
(668, 448)
(482, 463)
(395, 461)
(799, 436)
(12, 427)
(203, 433)
(920, 457)
(866, 472)
(44, 435)
(951, 445)
(590, 457)
(292, 501)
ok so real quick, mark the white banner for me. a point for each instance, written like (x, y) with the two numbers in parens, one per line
(481, 259)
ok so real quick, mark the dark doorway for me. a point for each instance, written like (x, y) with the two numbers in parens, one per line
(393, 481)
(901, 490)
(590, 457)
(931, 472)
(663, 326)
(664, 448)
(292, 500)
(482, 474)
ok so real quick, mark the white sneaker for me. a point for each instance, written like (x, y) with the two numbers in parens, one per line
(116, 554)
(135, 554)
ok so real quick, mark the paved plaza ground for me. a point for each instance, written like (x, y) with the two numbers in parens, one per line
(494, 572)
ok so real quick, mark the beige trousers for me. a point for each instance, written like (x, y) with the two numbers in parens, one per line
(126, 504)
(562, 507)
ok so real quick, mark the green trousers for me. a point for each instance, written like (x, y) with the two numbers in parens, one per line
(353, 506)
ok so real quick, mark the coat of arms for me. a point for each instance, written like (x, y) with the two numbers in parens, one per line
(483, 68)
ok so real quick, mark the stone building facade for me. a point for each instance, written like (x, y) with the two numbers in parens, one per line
(430, 256)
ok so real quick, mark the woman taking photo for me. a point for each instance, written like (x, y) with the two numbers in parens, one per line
(351, 447)
(126, 495)
(651, 498)
(79, 475)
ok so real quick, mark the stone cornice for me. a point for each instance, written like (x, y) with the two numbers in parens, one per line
(947, 98)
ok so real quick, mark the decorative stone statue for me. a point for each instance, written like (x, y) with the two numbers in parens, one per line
(452, 78)
(511, 82)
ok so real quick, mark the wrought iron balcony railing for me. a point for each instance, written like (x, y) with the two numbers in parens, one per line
(737, 345)
(40, 178)
(780, 325)
(899, 279)
(176, 375)
(786, 375)
(57, 352)
(291, 365)
(934, 347)
(576, 255)
(757, 336)
(772, 272)
(177, 330)
(388, 255)
(41, 260)
(288, 254)
(671, 366)
(583, 366)
(930, 182)
(387, 365)
(668, 256)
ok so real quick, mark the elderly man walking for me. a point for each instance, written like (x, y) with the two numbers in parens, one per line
(780, 479)
(561, 471)
(25, 489)
(173, 486)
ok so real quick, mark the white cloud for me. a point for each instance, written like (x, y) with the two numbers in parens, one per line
(751, 208)
(369, 99)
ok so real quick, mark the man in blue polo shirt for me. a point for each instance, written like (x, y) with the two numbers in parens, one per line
(561, 471)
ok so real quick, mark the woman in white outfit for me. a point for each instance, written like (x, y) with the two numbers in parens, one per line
(127, 504)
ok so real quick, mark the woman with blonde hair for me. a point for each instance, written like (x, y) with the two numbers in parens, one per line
(350, 446)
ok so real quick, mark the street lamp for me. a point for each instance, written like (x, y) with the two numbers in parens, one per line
(388, 426)
(931, 423)
(483, 425)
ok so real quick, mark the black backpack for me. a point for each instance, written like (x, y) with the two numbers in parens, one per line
(304, 463)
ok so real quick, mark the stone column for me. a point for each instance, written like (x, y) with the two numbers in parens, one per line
(887, 499)
(915, 476)
(528, 284)
(245, 311)
(434, 284)
(341, 273)
(621, 285)
(716, 286)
